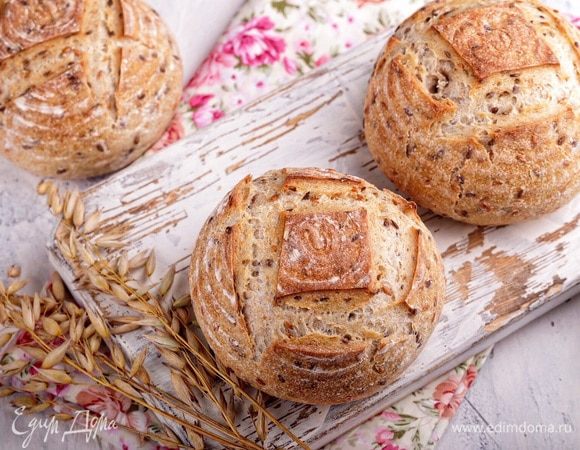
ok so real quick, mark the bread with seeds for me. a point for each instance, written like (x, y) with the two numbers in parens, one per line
(315, 286)
(473, 109)
(87, 85)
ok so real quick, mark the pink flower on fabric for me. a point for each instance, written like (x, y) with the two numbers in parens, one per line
(199, 100)
(470, 376)
(322, 60)
(384, 436)
(391, 447)
(289, 66)
(361, 3)
(209, 72)
(390, 416)
(253, 45)
(304, 46)
(173, 134)
(448, 395)
(113, 406)
(206, 116)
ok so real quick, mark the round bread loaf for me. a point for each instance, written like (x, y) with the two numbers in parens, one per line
(315, 286)
(473, 110)
(87, 85)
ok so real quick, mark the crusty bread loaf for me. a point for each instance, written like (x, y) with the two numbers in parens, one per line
(315, 286)
(86, 85)
(473, 109)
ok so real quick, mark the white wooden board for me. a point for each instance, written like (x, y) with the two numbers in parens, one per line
(498, 278)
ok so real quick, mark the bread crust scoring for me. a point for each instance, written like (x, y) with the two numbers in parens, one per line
(87, 85)
(324, 307)
(473, 109)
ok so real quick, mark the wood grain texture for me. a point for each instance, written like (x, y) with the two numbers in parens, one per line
(498, 278)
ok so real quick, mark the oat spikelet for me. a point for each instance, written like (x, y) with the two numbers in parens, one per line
(167, 281)
(195, 439)
(55, 376)
(2, 288)
(122, 265)
(180, 387)
(27, 316)
(26, 401)
(126, 387)
(14, 366)
(40, 407)
(4, 338)
(138, 305)
(91, 364)
(63, 417)
(150, 263)
(35, 352)
(71, 308)
(92, 222)
(80, 326)
(172, 359)
(86, 256)
(14, 271)
(57, 287)
(138, 362)
(94, 342)
(16, 286)
(55, 356)
(126, 328)
(117, 355)
(175, 325)
(5, 391)
(72, 246)
(55, 202)
(72, 329)
(192, 340)
(119, 292)
(88, 331)
(143, 376)
(99, 324)
(138, 260)
(42, 187)
(98, 281)
(35, 386)
(36, 304)
(84, 362)
(79, 213)
(70, 203)
(109, 243)
(184, 300)
(163, 341)
(51, 326)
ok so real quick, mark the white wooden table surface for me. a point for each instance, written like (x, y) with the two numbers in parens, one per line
(532, 375)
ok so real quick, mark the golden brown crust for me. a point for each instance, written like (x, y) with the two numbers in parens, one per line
(501, 145)
(495, 39)
(324, 251)
(338, 319)
(88, 87)
(25, 24)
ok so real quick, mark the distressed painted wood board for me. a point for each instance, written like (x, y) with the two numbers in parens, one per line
(498, 278)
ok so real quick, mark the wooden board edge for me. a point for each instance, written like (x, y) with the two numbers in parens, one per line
(328, 436)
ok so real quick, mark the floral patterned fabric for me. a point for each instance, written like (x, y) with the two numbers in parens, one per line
(268, 43)
(419, 420)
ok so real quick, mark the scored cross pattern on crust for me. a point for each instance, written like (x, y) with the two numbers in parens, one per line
(324, 251)
(495, 39)
(82, 71)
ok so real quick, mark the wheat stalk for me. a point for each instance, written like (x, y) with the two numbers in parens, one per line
(193, 366)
